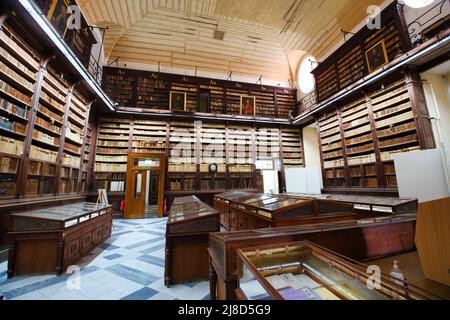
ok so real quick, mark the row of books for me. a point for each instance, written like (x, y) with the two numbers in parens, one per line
(241, 168)
(13, 108)
(70, 160)
(48, 125)
(19, 95)
(51, 101)
(176, 184)
(52, 115)
(56, 93)
(185, 167)
(41, 169)
(110, 167)
(11, 146)
(12, 126)
(45, 138)
(362, 148)
(74, 136)
(15, 76)
(9, 165)
(19, 65)
(410, 138)
(42, 154)
(112, 159)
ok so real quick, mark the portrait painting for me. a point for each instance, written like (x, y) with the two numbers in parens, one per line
(248, 106)
(377, 56)
(177, 101)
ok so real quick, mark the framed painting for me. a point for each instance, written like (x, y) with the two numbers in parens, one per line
(248, 106)
(177, 101)
(58, 15)
(376, 56)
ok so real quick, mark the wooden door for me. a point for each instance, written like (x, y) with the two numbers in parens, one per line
(139, 166)
(135, 204)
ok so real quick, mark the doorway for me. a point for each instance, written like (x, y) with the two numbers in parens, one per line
(144, 195)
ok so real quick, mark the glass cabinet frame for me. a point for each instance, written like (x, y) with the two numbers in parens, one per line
(339, 277)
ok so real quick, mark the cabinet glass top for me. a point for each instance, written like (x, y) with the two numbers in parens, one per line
(299, 272)
(376, 201)
(188, 208)
(64, 213)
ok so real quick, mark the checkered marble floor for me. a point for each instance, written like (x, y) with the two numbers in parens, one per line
(129, 266)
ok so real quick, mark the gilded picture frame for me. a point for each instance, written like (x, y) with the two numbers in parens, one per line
(376, 56)
(177, 101)
(248, 106)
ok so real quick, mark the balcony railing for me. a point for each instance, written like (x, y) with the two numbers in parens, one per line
(308, 103)
(418, 27)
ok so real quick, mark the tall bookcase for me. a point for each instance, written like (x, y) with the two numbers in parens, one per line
(358, 139)
(18, 75)
(191, 147)
(212, 151)
(112, 154)
(348, 64)
(182, 169)
(292, 144)
(42, 124)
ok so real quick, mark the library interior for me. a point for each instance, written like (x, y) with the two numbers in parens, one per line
(224, 150)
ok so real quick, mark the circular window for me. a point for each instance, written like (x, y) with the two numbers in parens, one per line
(418, 3)
(305, 78)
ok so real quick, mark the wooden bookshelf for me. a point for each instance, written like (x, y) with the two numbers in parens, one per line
(148, 92)
(18, 76)
(191, 147)
(358, 140)
(292, 144)
(348, 64)
(45, 121)
(212, 151)
(182, 169)
(112, 154)
(332, 150)
(149, 136)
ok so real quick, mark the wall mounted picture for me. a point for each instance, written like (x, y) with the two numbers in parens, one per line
(177, 101)
(248, 106)
(377, 56)
(59, 16)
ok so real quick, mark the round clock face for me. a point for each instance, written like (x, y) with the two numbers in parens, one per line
(213, 167)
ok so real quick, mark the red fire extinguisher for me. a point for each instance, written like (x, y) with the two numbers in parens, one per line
(122, 206)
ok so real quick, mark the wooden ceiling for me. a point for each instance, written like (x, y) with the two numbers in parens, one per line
(260, 35)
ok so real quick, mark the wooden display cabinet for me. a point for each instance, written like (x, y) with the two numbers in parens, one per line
(362, 240)
(50, 240)
(305, 271)
(189, 223)
(247, 211)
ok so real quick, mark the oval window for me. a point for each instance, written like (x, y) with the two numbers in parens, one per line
(305, 78)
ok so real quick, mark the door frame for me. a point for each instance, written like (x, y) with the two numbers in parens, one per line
(162, 173)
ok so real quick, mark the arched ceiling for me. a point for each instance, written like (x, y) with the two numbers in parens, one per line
(260, 35)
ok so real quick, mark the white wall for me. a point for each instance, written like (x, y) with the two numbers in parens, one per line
(312, 151)
(308, 179)
(437, 94)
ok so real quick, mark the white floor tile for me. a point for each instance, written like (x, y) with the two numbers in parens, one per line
(105, 285)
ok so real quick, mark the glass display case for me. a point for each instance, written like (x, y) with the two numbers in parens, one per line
(49, 240)
(380, 205)
(305, 271)
(190, 215)
(189, 223)
(245, 211)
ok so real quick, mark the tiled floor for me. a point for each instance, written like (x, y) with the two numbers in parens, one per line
(129, 266)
